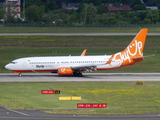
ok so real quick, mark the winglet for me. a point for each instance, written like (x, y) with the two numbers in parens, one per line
(84, 52)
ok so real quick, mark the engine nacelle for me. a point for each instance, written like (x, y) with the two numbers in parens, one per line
(65, 71)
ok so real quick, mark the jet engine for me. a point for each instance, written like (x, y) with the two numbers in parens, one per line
(65, 71)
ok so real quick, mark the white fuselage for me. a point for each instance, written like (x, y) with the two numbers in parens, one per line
(42, 64)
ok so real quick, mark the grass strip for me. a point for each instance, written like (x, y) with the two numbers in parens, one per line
(74, 29)
(121, 97)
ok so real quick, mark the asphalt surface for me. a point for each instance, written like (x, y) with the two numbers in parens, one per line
(43, 77)
(71, 34)
(8, 114)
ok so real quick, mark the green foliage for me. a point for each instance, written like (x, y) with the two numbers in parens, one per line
(80, 7)
(34, 13)
(94, 2)
(89, 13)
(11, 19)
(49, 17)
(117, 4)
(142, 15)
(29, 3)
(51, 5)
(1, 13)
(102, 9)
(55, 16)
(153, 16)
(137, 2)
(139, 7)
(152, 2)
(147, 21)
(58, 3)
(126, 1)
(72, 11)
(134, 20)
(72, 18)
(107, 19)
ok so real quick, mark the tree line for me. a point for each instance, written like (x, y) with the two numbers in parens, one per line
(88, 12)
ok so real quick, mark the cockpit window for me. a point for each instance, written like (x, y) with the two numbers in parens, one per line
(13, 62)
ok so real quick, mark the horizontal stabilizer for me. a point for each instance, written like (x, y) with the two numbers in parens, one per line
(137, 58)
(150, 55)
(143, 57)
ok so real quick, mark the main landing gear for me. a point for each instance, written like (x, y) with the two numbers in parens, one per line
(77, 73)
(20, 74)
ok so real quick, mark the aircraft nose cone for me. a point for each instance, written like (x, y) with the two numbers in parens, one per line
(7, 66)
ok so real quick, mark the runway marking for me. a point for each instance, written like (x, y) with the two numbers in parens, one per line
(15, 111)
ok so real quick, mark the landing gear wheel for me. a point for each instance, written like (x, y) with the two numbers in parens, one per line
(75, 73)
(19, 74)
(80, 74)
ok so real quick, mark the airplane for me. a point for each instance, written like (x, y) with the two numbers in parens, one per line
(74, 65)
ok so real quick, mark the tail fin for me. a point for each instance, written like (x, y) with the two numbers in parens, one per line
(135, 48)
(134, 51)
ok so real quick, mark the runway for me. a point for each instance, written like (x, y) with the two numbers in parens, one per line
(8, 114)
(44, 77)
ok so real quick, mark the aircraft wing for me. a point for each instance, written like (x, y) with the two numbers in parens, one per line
(82, 67)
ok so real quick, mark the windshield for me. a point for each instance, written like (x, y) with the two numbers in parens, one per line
(13, 62)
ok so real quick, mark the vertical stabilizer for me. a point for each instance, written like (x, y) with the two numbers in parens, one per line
(134, 51)
(135, 48)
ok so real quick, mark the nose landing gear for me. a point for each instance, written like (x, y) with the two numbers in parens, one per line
(19, 74)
